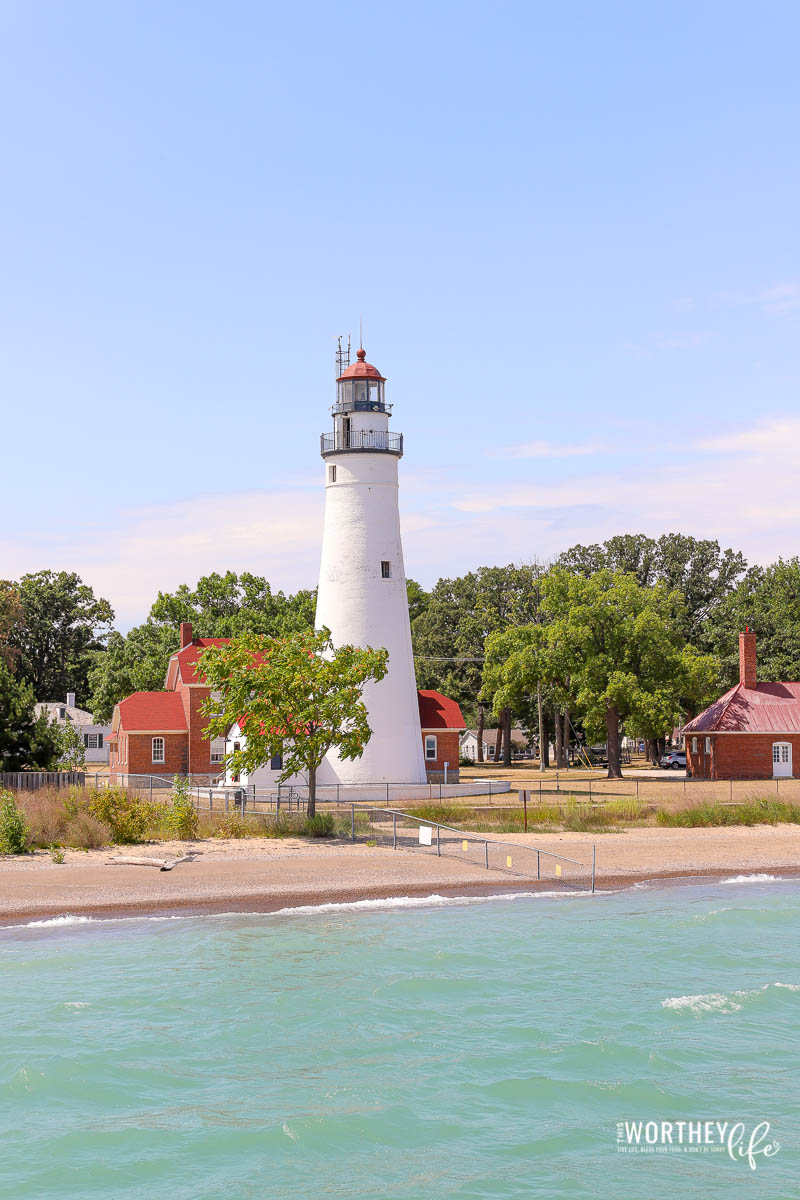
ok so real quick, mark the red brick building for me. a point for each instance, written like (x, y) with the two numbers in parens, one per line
(442, 724)
(752, 732)
(161, 733)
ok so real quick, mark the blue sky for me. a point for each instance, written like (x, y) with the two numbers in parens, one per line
(571, 231)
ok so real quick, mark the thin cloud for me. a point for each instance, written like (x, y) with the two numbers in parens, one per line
(776, 436)
(777, 300)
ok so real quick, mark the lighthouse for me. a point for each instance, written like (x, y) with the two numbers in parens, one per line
(362, 583)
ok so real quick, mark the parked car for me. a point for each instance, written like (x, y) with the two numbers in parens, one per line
(673, 760)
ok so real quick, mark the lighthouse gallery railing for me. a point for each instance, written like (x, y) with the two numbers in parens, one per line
(362, 439)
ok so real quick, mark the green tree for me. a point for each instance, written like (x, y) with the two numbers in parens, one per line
(768, 601)
(136, 663)
(218, 606)
(62, 624)
(25, 739)
(295, 695)
(71, 750)
(621, 646)
(449, 636)
(11, 618)
(417, 599)
(702, 572)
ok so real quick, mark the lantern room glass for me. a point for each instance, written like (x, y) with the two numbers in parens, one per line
(360, 395)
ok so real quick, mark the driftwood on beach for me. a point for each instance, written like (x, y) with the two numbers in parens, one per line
(163, 864)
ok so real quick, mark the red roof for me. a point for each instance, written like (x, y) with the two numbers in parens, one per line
(189, 655)
(438, 712)
(152, 712)
(766, 708)
(361, 369)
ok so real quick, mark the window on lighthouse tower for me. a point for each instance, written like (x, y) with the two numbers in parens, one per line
(386, 569)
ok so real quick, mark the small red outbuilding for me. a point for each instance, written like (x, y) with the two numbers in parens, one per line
(752, 732)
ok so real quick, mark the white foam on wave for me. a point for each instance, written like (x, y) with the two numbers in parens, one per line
(711, 1002)
(385, 902)
(755, 879)
(73, 919)
(432, 901)
(718, 1002)
(66, 919)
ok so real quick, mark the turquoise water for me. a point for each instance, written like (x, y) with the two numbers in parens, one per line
(482, 1050)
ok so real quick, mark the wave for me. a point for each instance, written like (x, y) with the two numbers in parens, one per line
(386, 902)
(432, 901)
(66, 919)
(755, 879)
(73, 919)
(719, 1002)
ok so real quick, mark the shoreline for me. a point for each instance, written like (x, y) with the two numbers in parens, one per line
(309, 900)
(267, 875)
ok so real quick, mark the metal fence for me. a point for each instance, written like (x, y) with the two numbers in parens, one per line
(659, 790)
(404, 831)
(334, 794)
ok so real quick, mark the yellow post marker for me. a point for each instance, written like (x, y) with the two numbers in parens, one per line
(558, 868)
(508, 860)
(464, 847)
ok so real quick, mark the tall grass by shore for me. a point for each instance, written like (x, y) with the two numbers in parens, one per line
(88, 818)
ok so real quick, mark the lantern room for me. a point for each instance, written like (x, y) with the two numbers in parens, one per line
(360, 388)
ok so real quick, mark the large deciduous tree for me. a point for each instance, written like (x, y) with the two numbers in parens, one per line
(218, 606)
(612, 649)
(703, 573)
(295, 696)
(60, 627)
(450, 634)
(768, 601)
(623, 648)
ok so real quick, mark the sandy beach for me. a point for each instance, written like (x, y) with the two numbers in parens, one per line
(268, 874)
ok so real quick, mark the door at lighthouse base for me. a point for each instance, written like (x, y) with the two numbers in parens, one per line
(782, 760)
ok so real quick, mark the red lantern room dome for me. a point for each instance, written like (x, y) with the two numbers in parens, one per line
(362, 369)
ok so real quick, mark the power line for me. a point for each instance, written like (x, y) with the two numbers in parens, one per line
(444, 658)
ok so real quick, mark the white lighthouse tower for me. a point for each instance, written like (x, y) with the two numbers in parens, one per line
(362, 583)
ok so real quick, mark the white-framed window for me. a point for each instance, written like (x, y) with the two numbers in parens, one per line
(93, 741)
(431, 748)
(332, 474)
(386, 569)
(708, 745)
(780, 752)
(217, 750)
(158, 750)
(694, 745)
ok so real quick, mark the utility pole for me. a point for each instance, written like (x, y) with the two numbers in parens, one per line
(541, 725)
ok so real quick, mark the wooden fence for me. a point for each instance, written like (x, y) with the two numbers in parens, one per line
(31, 781)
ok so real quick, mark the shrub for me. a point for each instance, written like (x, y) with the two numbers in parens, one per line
(85, 832)
(231, 825)
(13, 830)
(126, 816)
(319, 826)
(45, 815)
(180, 818)
(57, 854)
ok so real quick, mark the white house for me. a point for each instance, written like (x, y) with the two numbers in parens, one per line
(95, 737)
(469, 743)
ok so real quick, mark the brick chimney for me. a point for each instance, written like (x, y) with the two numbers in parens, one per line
(186, 634)
(747, 659)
